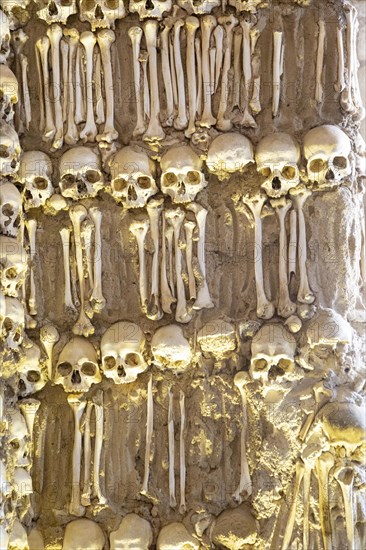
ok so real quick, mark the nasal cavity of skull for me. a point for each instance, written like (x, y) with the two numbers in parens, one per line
(98, 14)
(52, 9)
(149, 5)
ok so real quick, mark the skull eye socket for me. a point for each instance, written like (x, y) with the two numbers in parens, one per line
(317, 165)
(4, 152)
(193, 177)
(11, 273)
(284, 365)
(68, 180)
(340, 162)
(109, 362)
(265, 171)
(132, 360)
(92, 176)
(66, 2)
(88, 369)
(144, 182)
(89, 5)
(40, 183)
(112, 4)
(119, 185)
(33, 376)
(64, 369)
(260, 364)
(8, 324)
(170, 179)
(289, 172)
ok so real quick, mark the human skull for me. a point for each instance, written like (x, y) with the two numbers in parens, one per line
(32, 374)
(18, 539)
(247, 5)
(122, 349)
(80, 173)
(344, 424)
(176, 536)
(199, 7)
(170, 349)
(56, 11)
(234, 529)
(10, 209)
(13, 265)
(77, 368)
(133, 180)
(5, 489)
(133, 533)
(182, 177)
(328, 329)
(102, 13)
(273, 353)
(8, 93)
(14, 322)
(16, 11)
(218, 338)
(18, 437)
(35, 173)
(9, 150)
(277, 156)
(150, 8)
(327, 150)
(229, 153)
(4, 37)
(83, 533)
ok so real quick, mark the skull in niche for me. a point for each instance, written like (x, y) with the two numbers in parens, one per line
(83, 533)
(133, 180)
(9, 150)
(10, 209)
(14, 322)
(327, 150)
(13, 265)
(31, 373)
(122, 349)
(277, 156)
(218, 338)
(18, 437)
(56, 11)
(199, 7)
(175, 536)
(247, 5)
(4, 37)
(8, 93)
(150, 8)
(273, 353)
(229, 153)
(133, 532)
(102, 13)
(77, 368)
(35, 172)
(81, 176)
(170, 349)
(182, 177)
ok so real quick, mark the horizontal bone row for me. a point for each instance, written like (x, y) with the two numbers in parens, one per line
(75, 86)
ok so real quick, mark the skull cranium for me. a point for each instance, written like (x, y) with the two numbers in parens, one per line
(10, 209)
(80, 173)
(182, 177)
(77, 368)
(56, 11)
(229, 153)
(150, 8)
(175, 536)
(170, 349)
(9, 150)
(8, 93)
(122, 349)
(199, 7)
(83, 533)
(102, 13)
(31, 372)
(133, 532)
(35, 172)
(18, 437)
(13, 265)
(4, 37)
(14, 322)
(247, 5)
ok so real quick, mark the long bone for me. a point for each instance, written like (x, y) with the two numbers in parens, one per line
(87, 234)
(241, 379)
(255, 103)
(277, 71)
(219, 43)
(167, 76)
(344, 474)
(77, 405)
(80, 111)
(285, 307)
(181, 120)
(167, 299)
(64, 47)
(72, 134)
(292, 245)
(65, 238)
(293, 508)
(54, 33)
(43, 46)
(340, 84)
(197, 48)
(192, 24)
(149, 434)
(265, 308)
(143, 58)
(105, 38)
(354, 23)
(135, 34)
(173, 75)
(18, 39)
(41, 94)
(188, 229)
(182, 453)
(308, 469)
(203, 295)
(32, 232)
(139, 229)
(97, 299)
(324, 464)
(154, 131)
(89, 132)
(29, 408)
(347, 100)
(169, 236)
(299, 196)
(25, 90)
(175, 218)
(238, 37)
(208, 23)
(228, 22)
(99, 430)
(172, 499)
(154, 209)
(247, 119)
(49, 336)
(83, 325)
(212, 69)
(320, 63)
(99, 100)
(86, 494)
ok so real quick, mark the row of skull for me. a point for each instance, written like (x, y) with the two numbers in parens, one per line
(327, 150)
(124, 352)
